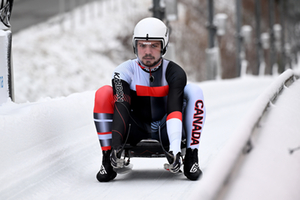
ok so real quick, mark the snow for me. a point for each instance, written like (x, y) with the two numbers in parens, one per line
(49, 146)
(82, 46)
(251, 128)
(270, 162)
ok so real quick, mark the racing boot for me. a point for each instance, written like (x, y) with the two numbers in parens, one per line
(191, 167)
(174, 162)
(106, 172)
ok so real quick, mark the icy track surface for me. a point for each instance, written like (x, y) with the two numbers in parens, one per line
(49, 149)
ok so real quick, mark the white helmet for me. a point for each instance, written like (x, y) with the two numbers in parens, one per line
(151, 29)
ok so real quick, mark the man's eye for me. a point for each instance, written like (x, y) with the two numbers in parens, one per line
(154, 45)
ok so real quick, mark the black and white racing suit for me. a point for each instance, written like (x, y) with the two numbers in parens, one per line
(149, 99)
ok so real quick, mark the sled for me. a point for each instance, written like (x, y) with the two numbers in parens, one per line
(149, 148)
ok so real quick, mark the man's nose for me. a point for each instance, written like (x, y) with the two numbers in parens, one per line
(148, 49)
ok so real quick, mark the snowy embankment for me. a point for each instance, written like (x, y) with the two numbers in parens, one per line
(220, 174)
(271, 169)
(74, 52)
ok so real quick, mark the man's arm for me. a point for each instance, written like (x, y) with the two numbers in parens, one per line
(176, 79)
(121, 116)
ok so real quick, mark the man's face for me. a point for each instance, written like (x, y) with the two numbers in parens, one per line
(149, 52)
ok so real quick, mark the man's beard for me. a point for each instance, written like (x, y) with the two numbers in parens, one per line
(148, 63)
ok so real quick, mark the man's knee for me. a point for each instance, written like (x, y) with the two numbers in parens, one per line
(104, 101)
(193, 91)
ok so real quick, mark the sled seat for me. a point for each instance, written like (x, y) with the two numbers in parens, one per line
(149, 148)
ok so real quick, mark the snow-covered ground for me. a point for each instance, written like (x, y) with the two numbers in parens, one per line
(255, 161)
(270, 170)
(49, 148)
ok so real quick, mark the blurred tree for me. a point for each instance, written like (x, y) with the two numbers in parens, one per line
(293, 21)
(293, 7)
